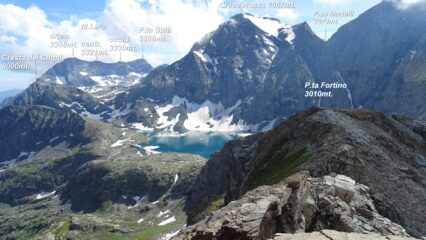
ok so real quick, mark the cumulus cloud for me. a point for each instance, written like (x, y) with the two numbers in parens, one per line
(28, 31)
(405, 4)
(22, 22)
(189, 21)
(287, 15)
(333, 2)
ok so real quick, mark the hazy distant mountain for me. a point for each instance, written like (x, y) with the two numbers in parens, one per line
(79, 73)
(84, 87)
(9, 93)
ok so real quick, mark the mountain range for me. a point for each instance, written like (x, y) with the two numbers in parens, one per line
(74, 166)
(257, 68)
(252, 72)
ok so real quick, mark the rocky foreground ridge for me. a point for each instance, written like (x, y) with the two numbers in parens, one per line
(298, 204)
(386, 154)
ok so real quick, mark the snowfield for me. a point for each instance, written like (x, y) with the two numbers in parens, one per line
(272, 27)
(204, 117)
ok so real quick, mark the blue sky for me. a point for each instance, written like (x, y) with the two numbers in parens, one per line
(25, 26)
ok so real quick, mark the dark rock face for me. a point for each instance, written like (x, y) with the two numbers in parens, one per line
(298, 204)
(379, 56)
(26, 129)
(227, 66)
(76, 72)
(372, 52)
(385, 154)
(283, 91)
(143, 112)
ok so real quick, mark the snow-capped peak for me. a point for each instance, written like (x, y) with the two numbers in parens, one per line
(268, 25)
(272, 26)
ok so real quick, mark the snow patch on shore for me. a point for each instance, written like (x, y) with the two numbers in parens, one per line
(169, 236)
(167, 221)
(150, 150)
(43, 195)
(120, 143)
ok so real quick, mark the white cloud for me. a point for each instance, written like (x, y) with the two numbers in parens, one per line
(405, 4)
(333, 2)
(287, 15)
(26, 31)
(22, 22)
(8, 39)
(189, 22)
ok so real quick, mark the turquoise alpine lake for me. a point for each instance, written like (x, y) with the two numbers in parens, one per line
(201, 143)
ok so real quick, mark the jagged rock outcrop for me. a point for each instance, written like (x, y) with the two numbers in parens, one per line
(298, 204)
(387, 154)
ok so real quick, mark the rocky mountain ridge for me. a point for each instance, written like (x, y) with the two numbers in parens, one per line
(298, 204)
(384, 153)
